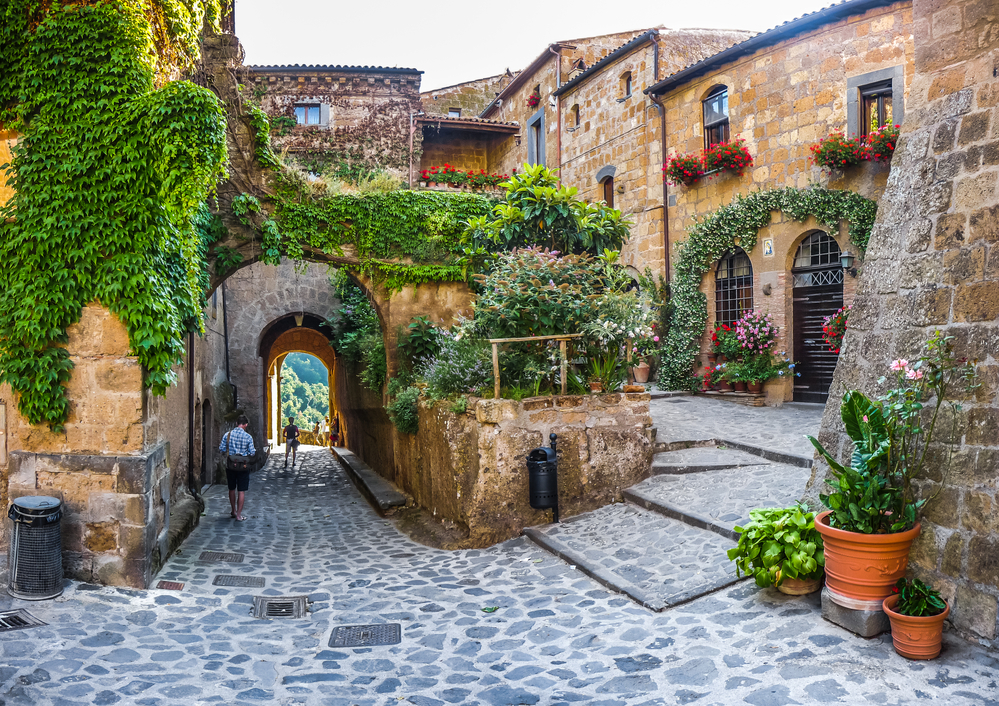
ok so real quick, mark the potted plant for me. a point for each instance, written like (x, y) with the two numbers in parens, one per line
(916, 613)
(683, 169)
(873, 514)
(838, 151)
(780, 547)
(607, 371)
(723, 384)
(732, 156)
(735, 373)
(834, 328)
(725, 342)
(880, 144)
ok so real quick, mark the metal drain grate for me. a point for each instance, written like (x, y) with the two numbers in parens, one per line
(18, 620)
(230, 557)
(366, 635)
(279, 607)
(170, 586)
(244, 581)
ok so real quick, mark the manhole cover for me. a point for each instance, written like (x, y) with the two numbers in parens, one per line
(246, 581)
(170, 586)
(18, 620)
(366, 635)
(279, 607)
(230, 557)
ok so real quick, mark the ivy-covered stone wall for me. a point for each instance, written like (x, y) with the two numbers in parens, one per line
(933, 264)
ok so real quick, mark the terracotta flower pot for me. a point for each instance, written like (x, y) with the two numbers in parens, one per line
(755, 387)
(739, 386)
(596, 387)
(724, 386)
(861, 569)
(915, 637)
(641, 372)
(712, 358)
(800, 587)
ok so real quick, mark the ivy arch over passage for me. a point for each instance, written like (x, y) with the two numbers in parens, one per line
(737, 224)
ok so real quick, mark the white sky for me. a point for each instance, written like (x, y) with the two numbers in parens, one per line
(454, 41)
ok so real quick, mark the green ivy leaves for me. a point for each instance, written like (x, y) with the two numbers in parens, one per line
(738, 224)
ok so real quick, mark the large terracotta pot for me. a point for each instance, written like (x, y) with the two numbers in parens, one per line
(861, 569)
(739, 386)
(915, 637)
(641, 372)
(724, 386)
(800, 587)
(754, 387)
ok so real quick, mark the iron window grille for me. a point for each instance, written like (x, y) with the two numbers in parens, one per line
(733, 287)
(817, 262)
(716, 117)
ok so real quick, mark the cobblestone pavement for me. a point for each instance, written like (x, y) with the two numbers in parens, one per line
(556, 637)
(780, 429)
(727, 496)
(700, 459)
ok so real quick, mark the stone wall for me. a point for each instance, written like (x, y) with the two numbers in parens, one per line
(470, 468)
(461, 149)
(932, 265)
(470, 97)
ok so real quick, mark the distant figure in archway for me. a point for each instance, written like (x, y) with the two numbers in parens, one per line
(324, 430)
(290, 442)
(238, 442)
(335, 431)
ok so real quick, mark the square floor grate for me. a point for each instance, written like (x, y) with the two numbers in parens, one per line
(18, 620)
(244, 581)
(366, 635)
(279, 607)
(170, 586)
(230, 557)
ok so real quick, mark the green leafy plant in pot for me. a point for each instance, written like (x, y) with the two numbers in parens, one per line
(780, 547)
(874, 508)
(916, 612)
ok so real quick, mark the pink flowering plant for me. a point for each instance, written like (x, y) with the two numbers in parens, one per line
(891, 434)
(756, 332)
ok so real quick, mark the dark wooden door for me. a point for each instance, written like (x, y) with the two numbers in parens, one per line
(815, 362)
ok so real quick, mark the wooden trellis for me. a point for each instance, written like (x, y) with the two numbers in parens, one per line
(562, 339)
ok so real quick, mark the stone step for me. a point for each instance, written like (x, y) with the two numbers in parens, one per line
(700, 459)
(721, 499)
(657, 561)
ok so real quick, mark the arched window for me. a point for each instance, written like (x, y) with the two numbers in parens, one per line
(609, 191)
(817, 262)
(625, 85)
(574, 115)
(733, 287)
(716, 116)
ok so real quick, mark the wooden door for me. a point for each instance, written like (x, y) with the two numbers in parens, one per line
(815, 362)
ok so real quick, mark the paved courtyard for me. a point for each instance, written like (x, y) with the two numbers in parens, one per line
(510, 624)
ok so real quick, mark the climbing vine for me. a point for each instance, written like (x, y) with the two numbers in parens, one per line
(737, 225)
(109, 175)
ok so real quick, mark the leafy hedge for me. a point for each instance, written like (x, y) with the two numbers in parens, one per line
(737, 224)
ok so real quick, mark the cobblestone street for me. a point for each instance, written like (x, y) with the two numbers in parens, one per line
(510, 624)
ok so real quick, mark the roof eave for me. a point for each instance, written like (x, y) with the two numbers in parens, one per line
(802, 24)
(472, 126)
(521, 78)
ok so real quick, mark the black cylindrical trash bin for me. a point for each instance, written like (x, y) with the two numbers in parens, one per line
(542, 468)
(35, 558)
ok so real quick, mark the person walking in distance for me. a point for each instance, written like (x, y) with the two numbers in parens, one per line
(238, 442)
(335, 431)
(324, 430)
(290, 442)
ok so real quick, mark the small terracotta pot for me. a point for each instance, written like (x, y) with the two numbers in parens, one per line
(712, 358)
(915, 637)
(596, 387)
(800, 587)
(739, 386)
(861, 569)
(724, 386)
(641, 372)
(755, 387)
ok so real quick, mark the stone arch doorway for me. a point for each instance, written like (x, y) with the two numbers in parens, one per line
(283, 337)
(817, 292)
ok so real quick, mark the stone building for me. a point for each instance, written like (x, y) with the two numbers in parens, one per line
(782, 91)
(931, 265)
(340, 117)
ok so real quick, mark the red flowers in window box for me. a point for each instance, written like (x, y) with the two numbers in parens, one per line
(533, 100)
(881, 143)
(687, 168)
(839, 152)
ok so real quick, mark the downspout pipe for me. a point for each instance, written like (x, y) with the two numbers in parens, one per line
(662, 151)
(557, 52)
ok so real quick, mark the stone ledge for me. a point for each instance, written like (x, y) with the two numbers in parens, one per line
(690, 518)
(184, 517)
(382, 494)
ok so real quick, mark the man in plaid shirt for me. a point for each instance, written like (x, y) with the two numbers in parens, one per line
(238, 442)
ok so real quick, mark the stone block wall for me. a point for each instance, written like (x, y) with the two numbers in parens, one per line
(932, 266)
(470, 468)
(459, 148)
(471, 97)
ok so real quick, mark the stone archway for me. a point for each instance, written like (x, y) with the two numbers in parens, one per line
(300, 339)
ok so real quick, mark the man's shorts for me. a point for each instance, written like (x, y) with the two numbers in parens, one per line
(238, 480)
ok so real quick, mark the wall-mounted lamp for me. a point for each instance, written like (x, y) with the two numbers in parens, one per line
(299, 318)
(620, 188)
(846, 259)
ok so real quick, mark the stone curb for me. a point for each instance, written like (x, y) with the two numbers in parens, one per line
(665, 394)
(667, 469)
(776, 456)
(676, 513)
(382, 494)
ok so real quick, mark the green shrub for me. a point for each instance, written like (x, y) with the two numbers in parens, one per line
(356, 333)
(404, 410)
(461, 366)
(779, 544)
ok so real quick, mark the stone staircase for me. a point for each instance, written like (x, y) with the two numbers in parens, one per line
(666, 544)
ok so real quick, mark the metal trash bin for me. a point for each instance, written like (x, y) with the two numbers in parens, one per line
(35, 558)
(542, 467)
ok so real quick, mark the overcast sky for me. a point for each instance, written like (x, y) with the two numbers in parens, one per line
(453, 41)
